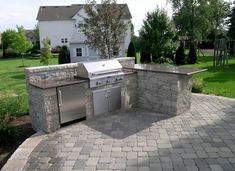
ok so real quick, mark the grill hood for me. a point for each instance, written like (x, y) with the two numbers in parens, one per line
(96, 68)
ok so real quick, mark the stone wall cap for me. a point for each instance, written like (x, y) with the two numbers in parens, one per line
(51, 67)
(169, 69)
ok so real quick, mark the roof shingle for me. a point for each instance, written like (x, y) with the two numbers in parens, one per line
(48, 13)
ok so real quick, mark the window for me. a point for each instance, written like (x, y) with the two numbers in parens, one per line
(64, 40)
(80, 26)
(78, 52)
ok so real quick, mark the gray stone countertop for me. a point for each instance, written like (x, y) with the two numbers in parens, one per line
(45, 84)
(167, 69)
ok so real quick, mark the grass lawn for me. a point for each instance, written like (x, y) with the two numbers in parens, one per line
(12, 77)
(218, 80)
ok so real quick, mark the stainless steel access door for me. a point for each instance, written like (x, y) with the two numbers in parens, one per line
(71, 101)
(100, 101)
(106, 100)
(115, 98)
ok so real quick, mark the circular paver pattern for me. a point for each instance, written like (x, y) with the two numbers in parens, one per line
(202, 139)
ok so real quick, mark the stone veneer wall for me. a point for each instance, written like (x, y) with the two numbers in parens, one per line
(43, 108)
(43, 105)
(52, 72)
(127, 62)
(164, 93)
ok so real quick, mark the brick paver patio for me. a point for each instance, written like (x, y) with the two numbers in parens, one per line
(203, 139)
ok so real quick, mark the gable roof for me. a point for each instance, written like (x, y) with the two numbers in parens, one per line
(48, 13)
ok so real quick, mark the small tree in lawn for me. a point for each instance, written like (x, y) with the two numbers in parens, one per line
(192, 55)
(64, 55)
(157, 34)
(21, 44)
(180, 55)
(131, 51)
(46, 52)
(104, 26)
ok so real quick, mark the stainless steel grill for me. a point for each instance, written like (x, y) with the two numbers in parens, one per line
(101, 73)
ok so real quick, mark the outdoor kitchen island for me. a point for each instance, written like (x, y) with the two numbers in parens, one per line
(165, 89)
(59, 94)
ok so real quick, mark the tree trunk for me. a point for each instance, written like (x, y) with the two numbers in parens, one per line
(22, 59)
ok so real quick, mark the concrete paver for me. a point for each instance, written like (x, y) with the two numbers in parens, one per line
(201, 139)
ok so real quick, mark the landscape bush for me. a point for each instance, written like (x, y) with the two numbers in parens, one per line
(131, 52)
(197, 86)
(46, 52)
(170, 55)
(64, 55)
(163, 60)
(10, 107)
(180, 55)
(192, 55)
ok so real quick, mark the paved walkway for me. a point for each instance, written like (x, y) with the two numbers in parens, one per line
(203, 139)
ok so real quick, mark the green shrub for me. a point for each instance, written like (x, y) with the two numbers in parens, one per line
(131, 51)
(169, 55)
(163, 60)
(7, 134)
(46, 52)
(10, 107)
(198, 85)
(145, 57)
(192, 55)
(180, 55)
(64, 55)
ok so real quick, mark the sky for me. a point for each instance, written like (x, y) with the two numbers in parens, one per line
(24, 12)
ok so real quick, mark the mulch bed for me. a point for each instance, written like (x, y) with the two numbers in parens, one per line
(23, 130)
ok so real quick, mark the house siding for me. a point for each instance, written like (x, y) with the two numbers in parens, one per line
(55, 30)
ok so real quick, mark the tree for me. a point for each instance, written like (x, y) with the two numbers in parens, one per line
(145, 57)
(21, 44)
(231, 30)
(157, 34)
(131, 51)
(8, 37)
(195, 18)
(64, 55)
(192, 55)
(180, 55)
(104, 26)
(46, 52)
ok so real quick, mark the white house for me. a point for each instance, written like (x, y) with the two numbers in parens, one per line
(60, 25)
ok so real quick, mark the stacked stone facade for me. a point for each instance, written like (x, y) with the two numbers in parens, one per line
(164, 93)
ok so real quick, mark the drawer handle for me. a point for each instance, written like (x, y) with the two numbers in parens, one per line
(60, 98)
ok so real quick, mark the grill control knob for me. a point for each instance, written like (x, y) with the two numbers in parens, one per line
(117, 79)
(107, 81)
(97, 83)
(120, 79)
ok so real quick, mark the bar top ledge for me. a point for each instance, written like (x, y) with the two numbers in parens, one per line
(170, 69)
